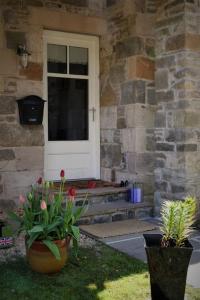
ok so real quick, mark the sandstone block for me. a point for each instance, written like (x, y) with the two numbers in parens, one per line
(110, 155)
(7, 105)
(192, 42)
(15, 38)
(186, 147)
(133, 92)
(140, 67)
(145, 24)
(19, 182)
(108, 97)
(165, 96)
(67, 22)
(145, 163)
(108, 117)
(117, 73)
(10, 85)
(161, 79)
(128, 140)
(106, 174)
(24, 158)
(8, 61)
(129, 47)
(6, 154)
(166, 62)
(28, 87)
(119, 216)
(175, 42)
(34, 71)
(131, 162)
(151, 97)
(144, 116)
(164, 147)
(121, 123)
(108, 135)
(12, 135)
(192, 119)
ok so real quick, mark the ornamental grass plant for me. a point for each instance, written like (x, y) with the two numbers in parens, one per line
(177, 220)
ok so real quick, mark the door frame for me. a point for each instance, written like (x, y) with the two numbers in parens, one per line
(57, 36)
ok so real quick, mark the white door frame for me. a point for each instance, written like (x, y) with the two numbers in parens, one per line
(92, 43)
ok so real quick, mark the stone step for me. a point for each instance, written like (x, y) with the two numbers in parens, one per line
(101, 195)
(115, 211)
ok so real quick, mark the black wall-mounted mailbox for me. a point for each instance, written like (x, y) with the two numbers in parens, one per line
(31, 110)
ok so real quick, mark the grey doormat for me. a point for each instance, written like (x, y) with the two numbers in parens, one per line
(117, 228)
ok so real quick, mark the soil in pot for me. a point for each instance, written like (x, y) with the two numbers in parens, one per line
(42, 260)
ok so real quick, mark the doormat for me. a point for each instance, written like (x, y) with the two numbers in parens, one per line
(85, 184)
(117, 228)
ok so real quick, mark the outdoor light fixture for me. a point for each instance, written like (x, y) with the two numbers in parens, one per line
(23, 55)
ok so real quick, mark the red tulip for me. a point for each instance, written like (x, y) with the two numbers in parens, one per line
(39, 180)
(72, 192)
(43, 205)
(91, 184)
(62, 173)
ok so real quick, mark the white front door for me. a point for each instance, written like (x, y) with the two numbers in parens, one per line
(71, 116)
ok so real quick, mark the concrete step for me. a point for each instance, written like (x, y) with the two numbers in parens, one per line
(101, 195)
(109, 204)
(115, 211)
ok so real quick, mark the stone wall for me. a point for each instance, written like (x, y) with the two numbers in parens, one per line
(22, 147)
(177, 120)
(128, 93)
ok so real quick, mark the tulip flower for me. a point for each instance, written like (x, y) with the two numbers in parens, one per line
(91, 184)
(22, 199)
(62, 173)
(72, 192)
(39, 180)
(43, 205)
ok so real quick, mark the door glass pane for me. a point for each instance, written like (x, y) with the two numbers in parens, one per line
(57, 59)
(78, 61)
(67, 109)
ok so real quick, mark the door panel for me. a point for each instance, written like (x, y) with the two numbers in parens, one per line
(71, 121)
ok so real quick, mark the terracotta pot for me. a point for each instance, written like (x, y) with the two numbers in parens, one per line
(42, 260)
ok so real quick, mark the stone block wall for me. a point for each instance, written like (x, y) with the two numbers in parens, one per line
(149, 85)
(128, 93)
(22, 147)
(177, 122)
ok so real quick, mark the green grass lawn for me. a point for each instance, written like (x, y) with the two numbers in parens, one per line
(99, 274)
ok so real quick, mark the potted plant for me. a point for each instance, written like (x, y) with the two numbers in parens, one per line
(49, 222)
(169, 253)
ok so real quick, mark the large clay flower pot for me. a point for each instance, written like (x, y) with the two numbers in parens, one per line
(42, 260)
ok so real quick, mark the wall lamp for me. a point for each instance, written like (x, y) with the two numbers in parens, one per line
(23, 55)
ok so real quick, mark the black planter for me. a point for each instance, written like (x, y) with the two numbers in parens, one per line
(167, 267)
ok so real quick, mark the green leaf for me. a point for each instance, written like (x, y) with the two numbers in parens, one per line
(53, 248)
(37, 228)
(14, 217)
(52, 227)
(76, 232)
(32, 238)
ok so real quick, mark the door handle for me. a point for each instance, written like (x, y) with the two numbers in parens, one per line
(93, 110)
